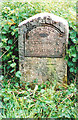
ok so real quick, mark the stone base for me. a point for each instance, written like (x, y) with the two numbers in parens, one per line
(43, 69)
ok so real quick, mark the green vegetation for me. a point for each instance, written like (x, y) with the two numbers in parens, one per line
(42, 102)
(45, 101)
(15, 12)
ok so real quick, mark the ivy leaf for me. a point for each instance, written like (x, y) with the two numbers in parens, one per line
(16, 84)
(74, 59)
(75, 71)
(13, 33)
(4, 40)
(10, 42)
(70, 64)
(12, 71)
(73, 40)
(71, 70)
(7, 47)
(12, 27)
(1, 77)
(18, 74)
(73, 54)
(6, 27)
(1, 44)
(4, 32)
(12, 47)
(6, 99)
(13, 65)
(77, 48)
(72, 35)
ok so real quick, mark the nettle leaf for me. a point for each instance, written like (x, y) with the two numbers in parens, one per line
(18, 74)
(13, 65)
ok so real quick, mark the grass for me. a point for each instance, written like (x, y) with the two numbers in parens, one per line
(44, 101)
(62, 8)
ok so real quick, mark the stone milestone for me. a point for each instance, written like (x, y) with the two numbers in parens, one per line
(42, 43)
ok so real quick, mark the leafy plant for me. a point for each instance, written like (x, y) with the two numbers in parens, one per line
(44, 102)
(12, 13)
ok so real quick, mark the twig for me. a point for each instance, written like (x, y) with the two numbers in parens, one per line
(68, 97)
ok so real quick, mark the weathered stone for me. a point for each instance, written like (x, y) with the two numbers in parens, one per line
(42, 42)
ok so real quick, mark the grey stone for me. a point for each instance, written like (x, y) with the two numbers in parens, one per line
(43, 40)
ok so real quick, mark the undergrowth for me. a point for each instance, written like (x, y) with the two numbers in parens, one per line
(44, 101)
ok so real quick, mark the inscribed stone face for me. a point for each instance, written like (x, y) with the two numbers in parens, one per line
(43, 39)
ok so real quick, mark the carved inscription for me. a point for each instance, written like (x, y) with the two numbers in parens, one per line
(44, 41)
